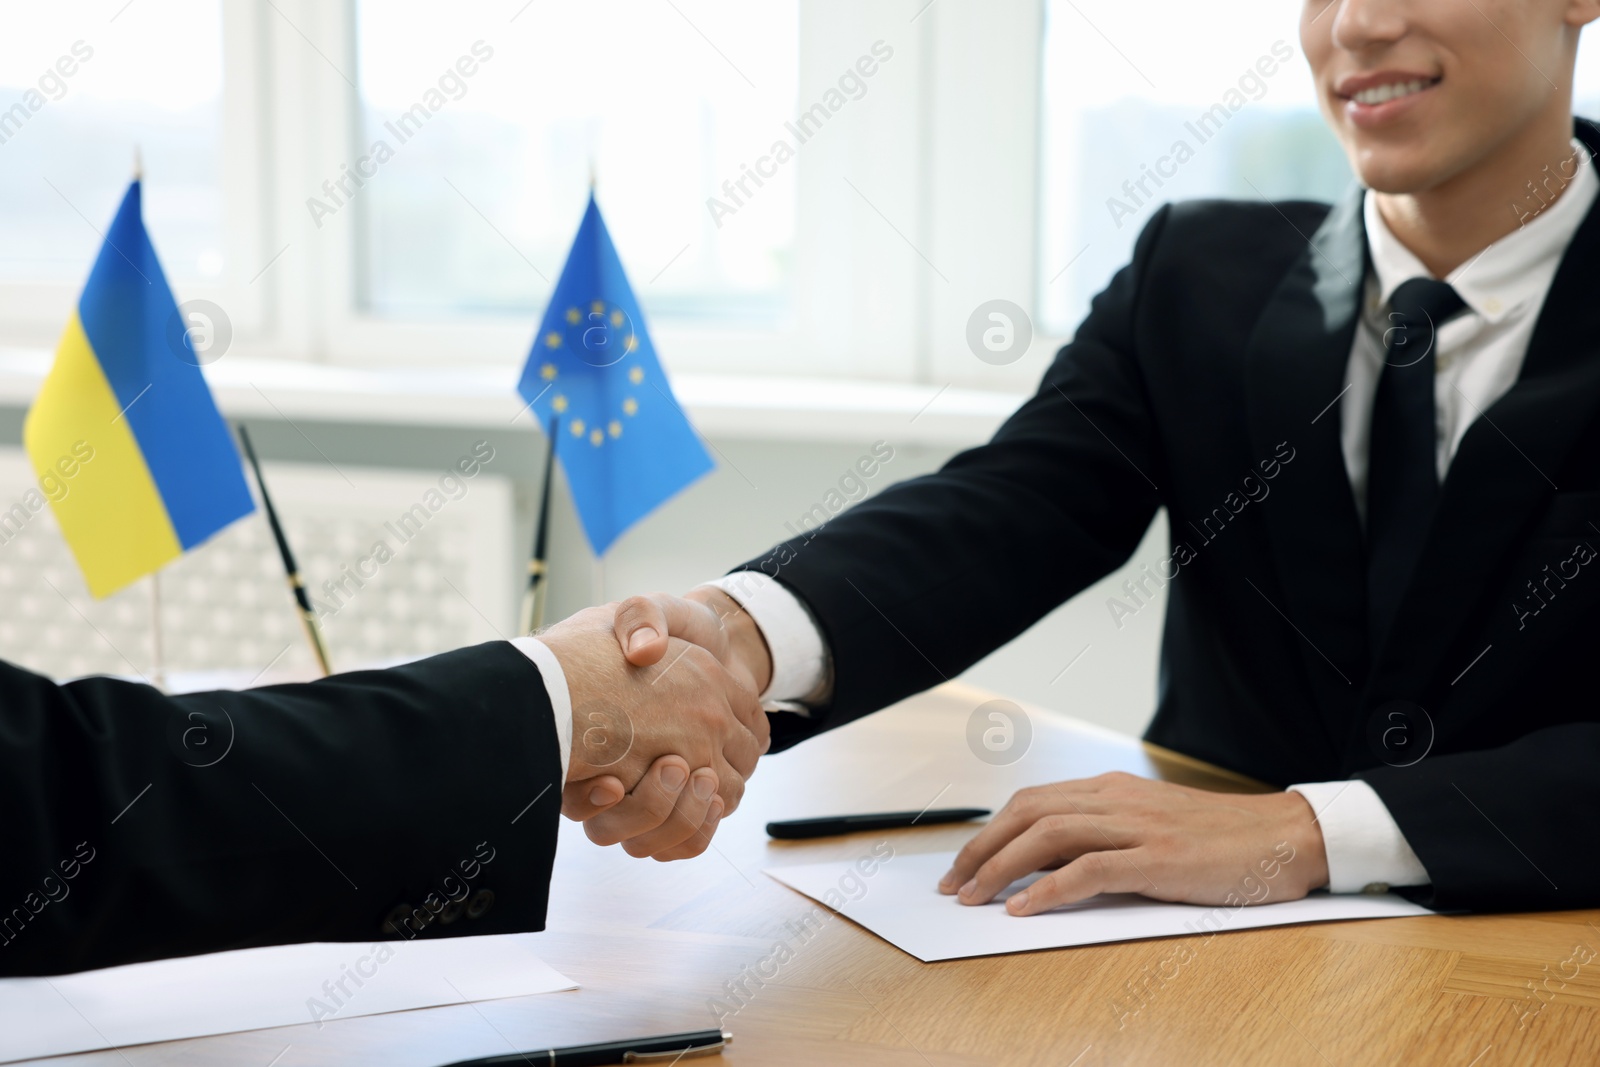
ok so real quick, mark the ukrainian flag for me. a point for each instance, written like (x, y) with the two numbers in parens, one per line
(625, 444)
(163, 473)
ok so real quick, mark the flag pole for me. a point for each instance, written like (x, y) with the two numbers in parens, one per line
(533, 596)
(308, 617)
(158, 665)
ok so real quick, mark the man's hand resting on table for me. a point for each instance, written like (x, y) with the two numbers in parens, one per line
(1118, 833)
(674, 729)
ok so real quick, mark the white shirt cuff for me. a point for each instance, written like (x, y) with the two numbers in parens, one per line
(799, 658)
(1367, 853)
(555, 687)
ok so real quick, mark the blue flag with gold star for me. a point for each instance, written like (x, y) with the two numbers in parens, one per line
(624, 442)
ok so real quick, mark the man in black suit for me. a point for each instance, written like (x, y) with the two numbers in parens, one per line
(419, 801)
(1375, 430)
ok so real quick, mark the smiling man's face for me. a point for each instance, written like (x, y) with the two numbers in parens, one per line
(1421, 91)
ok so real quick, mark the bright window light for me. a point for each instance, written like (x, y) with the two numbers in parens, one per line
(81, 87)
(1124, 85)
(475, 209)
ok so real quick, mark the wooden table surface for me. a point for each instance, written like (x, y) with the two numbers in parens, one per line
(652, 944)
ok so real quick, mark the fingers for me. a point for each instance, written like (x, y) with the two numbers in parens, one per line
(644, 623)
(1089, 874)
(646, 808)
(760, 726)
(584, 800)
(641, 628)
(742, 749)
(730, 786)
(730, 733)
(1026, 807)
(1045, 843)
(688, 815)
(700, 840)
(1019, 813)
(750, 741)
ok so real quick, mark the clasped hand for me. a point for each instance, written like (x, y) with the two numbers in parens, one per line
(666, 725)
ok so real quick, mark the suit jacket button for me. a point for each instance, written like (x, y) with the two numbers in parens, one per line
(394, 924)
(480, 903)
(452, 911)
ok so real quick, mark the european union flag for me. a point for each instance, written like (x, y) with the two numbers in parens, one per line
(624, 442)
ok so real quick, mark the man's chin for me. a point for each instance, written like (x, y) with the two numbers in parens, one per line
(1397, 171)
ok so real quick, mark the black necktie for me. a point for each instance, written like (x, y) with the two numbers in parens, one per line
(1402, 471)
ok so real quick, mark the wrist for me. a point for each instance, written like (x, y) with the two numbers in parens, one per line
(1304, 835)
(747, 645)
(602, 729)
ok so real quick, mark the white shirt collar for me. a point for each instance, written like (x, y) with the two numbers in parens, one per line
(1512, 271)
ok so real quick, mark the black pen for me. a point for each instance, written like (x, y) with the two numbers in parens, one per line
(667, 1049)
(793, 829)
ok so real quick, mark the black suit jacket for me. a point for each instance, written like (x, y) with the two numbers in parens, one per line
(366, 806)
(1205, 381)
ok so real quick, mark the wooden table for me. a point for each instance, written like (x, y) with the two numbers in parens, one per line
(651, 945)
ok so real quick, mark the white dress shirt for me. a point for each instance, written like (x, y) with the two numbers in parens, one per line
(555, 686)
(1479, 355)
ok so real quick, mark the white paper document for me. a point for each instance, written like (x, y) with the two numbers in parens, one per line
(900, 902)
(251, 989)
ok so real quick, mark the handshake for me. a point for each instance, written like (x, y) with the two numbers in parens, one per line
(666, 724)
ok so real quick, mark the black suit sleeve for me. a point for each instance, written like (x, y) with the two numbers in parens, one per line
(419, 801)
(1503, 829)
(997, 538)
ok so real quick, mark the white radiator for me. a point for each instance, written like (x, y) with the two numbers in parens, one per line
(448, 580)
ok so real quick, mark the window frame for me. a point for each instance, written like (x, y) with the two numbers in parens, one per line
(34, 313)
(877, 206)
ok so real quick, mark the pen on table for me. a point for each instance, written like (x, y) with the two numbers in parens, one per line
(668, 1048)
(793, 829)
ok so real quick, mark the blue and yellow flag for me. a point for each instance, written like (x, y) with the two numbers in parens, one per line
(125, 427)
(624, 442)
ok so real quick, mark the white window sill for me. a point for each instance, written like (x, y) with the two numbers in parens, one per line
(721, 406)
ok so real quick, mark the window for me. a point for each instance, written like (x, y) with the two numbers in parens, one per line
(474, 212)
(996, 152)
(80, 94)
(1169, 100)
(1125, 85)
